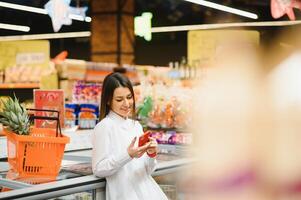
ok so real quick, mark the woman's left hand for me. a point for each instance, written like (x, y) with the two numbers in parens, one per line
(153, 147)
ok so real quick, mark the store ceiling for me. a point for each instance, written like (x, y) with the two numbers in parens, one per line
(180, 12)
(166, 13)
(38, 23)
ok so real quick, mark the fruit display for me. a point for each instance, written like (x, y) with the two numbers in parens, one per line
(166, 107)
(162, 102)
(15, 116)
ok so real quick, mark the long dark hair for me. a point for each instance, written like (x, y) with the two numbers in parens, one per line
(110, 83)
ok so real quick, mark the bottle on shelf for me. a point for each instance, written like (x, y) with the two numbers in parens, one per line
(183, 68)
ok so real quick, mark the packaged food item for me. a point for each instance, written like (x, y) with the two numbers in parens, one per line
(171, 137)
(155, 117)
(86, 93)
(88, 116)
(145, 108)
(71, 114)
(181, 138)
(22, 73)
(163, 137)
(168, 116)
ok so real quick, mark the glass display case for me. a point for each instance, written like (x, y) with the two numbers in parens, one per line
(76, 181)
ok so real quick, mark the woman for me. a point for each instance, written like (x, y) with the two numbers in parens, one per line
(126, 167)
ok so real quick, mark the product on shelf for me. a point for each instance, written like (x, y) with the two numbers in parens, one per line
(86, 93)
(172, 142)
(72, 69)
(22, 74)
(165, 102)
(164, 113)
(171, 137)
(67, 87)
(27, 74)
(145, 108)
(71, 113)
(96, 72)
(138, 96)
(155, 117)
(87, 117)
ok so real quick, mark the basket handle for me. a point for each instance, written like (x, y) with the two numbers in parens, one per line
(57, 119)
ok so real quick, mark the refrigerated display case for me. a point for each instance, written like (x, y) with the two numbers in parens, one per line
(76, 180)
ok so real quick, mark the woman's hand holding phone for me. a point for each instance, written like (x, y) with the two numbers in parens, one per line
(145, 144)
(137, 152)
(152, 149)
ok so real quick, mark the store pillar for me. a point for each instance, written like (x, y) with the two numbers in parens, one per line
(112, 29)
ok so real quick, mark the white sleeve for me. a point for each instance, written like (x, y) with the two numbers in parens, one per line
(103, 162)
(149, 163)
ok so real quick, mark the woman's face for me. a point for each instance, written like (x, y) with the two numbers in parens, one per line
(122, 102)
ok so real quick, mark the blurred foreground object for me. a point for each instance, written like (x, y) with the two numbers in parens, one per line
(226, 112)
(281, 7)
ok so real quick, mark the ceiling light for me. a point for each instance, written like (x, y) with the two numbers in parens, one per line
(80, 18)
(223, 25)
(224, 8)
(14, 27)
(46, 36)
(40, 11)
(76, 17)
(88, 19)
(23, 8)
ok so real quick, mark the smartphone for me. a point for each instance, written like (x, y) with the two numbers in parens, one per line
(144, 139)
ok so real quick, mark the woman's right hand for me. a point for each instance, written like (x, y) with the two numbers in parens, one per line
(137, 152)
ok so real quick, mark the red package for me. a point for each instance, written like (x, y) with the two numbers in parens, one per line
(49, 100)
(144, 139)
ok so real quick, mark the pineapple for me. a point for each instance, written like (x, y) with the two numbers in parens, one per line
(14, 116)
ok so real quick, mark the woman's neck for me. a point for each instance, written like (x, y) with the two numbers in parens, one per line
(119, 115)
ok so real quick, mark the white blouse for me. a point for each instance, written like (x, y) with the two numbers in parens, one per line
(127, 178)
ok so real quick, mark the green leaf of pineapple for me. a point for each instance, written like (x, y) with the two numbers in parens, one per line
(14, 116)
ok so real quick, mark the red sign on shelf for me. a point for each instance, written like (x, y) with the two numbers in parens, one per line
(49, 100)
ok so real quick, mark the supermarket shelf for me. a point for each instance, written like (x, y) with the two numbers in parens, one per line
(19, 85)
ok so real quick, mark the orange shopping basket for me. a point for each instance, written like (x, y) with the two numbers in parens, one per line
(37, 157)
